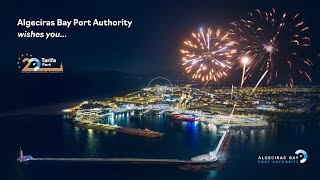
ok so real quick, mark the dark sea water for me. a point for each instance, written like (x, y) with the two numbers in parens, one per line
(51, 136)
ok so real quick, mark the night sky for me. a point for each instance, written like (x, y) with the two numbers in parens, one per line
(152, 43)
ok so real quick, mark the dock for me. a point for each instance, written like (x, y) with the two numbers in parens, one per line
(218, 161)
(125, 130)
(112, 161)
(235, 121)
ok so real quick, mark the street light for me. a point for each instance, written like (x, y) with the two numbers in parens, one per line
(244, 60)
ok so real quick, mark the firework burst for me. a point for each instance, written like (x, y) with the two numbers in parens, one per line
(207, 56)
(276, 43)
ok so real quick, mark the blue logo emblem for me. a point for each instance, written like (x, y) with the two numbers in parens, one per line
(301, 153)
(37, 63)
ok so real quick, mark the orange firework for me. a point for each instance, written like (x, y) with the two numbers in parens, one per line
(207, 56)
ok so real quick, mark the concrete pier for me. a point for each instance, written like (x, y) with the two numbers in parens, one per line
(125, 130)
(111, 161)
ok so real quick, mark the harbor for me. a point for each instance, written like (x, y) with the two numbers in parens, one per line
(125, 117)
(213, 160)
(137, 112)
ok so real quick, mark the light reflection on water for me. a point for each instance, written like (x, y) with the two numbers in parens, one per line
(186, 139)
(212, 175)
(183, 139)
(61, 139)
(243, 137)
(262, 138)
(92, 142)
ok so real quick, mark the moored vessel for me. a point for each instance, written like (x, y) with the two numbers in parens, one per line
(184, 117)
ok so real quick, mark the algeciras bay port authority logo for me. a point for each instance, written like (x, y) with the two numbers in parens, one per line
(29, 64)
(300, 157)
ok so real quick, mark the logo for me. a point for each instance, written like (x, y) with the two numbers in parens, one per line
(30, 64)
(300, 157)
(303, 154)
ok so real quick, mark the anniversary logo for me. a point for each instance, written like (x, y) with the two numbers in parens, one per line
(29, 64)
